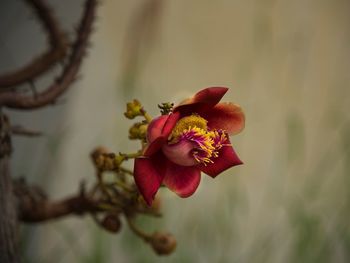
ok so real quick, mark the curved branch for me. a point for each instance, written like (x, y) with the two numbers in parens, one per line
(69, 74)
(41, 64)
(35, 212)
(34, 206)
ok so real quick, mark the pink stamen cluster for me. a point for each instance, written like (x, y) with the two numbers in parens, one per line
(208, 143)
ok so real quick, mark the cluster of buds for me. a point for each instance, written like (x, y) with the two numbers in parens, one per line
(119, 196)
(138, 130)
(105, 160)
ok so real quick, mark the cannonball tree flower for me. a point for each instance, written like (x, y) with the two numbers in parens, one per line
(191, 139)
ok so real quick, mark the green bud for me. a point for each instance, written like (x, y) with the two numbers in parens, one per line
(166, 108)
(138, 131)
(133, 109)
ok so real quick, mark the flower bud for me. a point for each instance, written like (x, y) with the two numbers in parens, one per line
(106, 160)
(97, 152)
(111, 223)
(133, 109)
(163, 243)
(97, 156)
(166, 108)
(138, 131)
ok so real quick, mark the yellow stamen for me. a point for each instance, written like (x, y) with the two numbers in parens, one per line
(185, 123)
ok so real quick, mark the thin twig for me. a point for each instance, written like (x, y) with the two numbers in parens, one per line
(21, 131)
(57, 51)
(69, 74)
(136, 230)
(125, 171)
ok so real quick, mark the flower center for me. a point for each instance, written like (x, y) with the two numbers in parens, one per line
(185, 123)
(207, 142)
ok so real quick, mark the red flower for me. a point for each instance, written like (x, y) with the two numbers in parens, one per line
(190, 140)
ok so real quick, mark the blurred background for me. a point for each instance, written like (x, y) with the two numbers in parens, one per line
(286, 63)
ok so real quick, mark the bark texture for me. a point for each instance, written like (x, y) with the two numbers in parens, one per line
(8, 219)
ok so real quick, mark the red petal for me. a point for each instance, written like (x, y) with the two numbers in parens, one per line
(170, 124)
(155, 128)
(206, 98)
(227, 158)
(183, 180)
(154, 146)
(225, 116)
(158, 132)
(162, 126)
(149, 174)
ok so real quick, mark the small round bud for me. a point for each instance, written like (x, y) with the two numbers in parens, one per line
(163, 243)
(97, 156)
(96, 153)
(138, 131)
(111, 223)
(133, 109)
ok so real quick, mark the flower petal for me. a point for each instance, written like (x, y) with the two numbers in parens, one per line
(161, 126)
(227, 158)
(170, 123)
(206, 98)
(149, 174)
(154, 146)
(158, 132)
(183, 180)
(210, 96)
(180, 153)
(225, 116)
(155, 128)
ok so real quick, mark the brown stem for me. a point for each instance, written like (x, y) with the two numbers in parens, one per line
(21, 131)
(34, 206)
(126, 171)
(69, 74)
(8, 221)
(33, 212)
(41, 64)
(136, 230)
